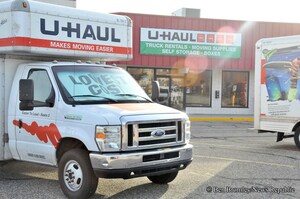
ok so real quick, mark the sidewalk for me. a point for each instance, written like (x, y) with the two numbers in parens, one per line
(222, 118)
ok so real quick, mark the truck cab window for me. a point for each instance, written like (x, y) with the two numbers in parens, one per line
(43, 89)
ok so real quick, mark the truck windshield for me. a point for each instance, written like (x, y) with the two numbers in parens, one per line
(97, 85)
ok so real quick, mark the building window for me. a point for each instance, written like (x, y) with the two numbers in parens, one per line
(198, 93)
(235, 89)
(163, 71)
(144, 77)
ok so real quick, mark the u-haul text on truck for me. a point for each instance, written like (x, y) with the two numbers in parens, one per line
(63, 31)
(277, 87)
(89, 120)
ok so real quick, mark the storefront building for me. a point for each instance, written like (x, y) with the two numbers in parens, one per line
(206, 65)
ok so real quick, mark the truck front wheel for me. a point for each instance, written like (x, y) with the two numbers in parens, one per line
(75, 174)
(297, 137)
(164, 178)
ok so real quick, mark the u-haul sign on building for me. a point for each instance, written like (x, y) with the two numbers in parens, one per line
(56, 30)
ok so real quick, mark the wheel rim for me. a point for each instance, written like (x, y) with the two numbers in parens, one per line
(73, 175)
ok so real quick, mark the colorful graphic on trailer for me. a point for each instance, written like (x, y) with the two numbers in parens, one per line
(190, 43)
(280, 80)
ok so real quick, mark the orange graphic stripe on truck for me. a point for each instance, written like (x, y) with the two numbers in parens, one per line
(43, 133)
(63, 45)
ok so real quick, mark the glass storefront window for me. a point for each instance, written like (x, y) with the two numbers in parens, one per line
(162, 71)
(235, 89)
(199, 92)
(144, 77)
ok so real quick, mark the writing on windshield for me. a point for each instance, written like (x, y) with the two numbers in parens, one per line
(81, 83)
(96, 85)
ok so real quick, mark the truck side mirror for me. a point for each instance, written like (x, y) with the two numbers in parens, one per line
(155, 91)
(26, 94)
(164, 96)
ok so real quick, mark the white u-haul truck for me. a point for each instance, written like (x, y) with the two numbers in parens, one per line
(89, 120)
(277, 87)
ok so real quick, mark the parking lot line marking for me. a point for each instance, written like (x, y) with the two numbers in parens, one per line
(223, 146)
(244, 161)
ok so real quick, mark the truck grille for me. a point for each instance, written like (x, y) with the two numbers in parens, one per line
(153, 135)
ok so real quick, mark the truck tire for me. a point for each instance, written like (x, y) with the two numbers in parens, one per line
(163, 179)
(75, 174)
(297, 137)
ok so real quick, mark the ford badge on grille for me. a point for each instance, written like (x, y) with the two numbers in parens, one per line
(158, 133)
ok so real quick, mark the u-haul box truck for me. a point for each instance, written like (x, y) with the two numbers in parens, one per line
(277, 89)
(89, 120)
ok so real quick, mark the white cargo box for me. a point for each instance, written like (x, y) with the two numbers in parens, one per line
(277, 79)
(29, 27)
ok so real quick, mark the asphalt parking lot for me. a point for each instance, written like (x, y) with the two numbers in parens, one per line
(229, 162)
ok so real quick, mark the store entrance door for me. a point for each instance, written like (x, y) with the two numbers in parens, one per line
(165, 87)
(177, 93)
(175, 87)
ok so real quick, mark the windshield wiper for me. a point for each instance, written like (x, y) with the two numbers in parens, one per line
(107, 98)
(133, 95)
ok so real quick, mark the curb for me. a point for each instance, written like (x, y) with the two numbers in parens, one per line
(223, 119)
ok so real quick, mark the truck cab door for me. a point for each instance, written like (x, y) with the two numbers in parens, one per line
(36, 133)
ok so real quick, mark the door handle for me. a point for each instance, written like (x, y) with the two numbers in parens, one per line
(20, 124)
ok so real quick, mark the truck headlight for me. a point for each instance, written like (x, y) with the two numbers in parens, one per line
(108, 138)
(187, 129)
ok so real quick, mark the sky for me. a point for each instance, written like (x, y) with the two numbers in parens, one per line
(251, 10)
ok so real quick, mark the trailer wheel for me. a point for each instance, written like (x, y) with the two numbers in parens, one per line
(297, 137)
(75, 174)
(163, 179)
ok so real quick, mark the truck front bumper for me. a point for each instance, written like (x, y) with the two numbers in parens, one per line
(142, 163)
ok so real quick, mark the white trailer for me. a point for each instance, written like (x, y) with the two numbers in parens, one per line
(277, 87)
(90, 120)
